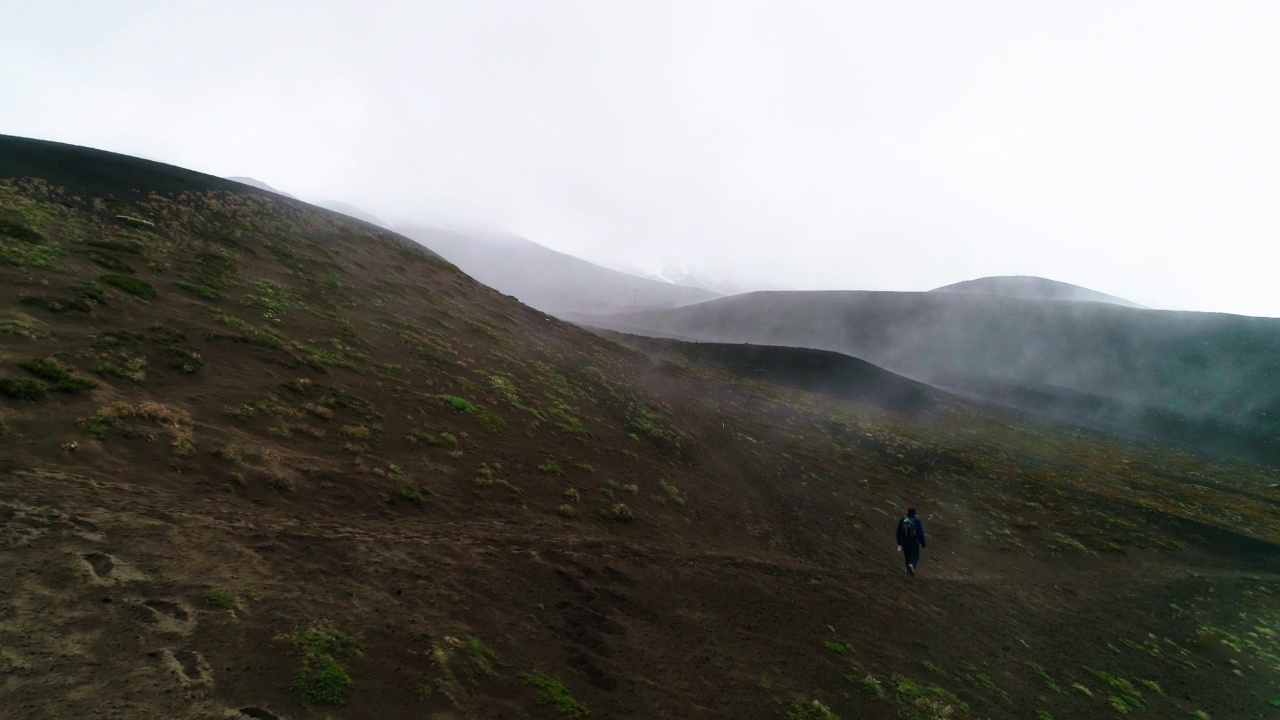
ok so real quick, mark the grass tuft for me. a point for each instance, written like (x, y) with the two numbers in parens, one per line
(110, 262)
(21, 388)
(617, 513)
(555, 695)
(839, 647)
(222, 599)
(53, 371)
(811, 710)
(321, 678)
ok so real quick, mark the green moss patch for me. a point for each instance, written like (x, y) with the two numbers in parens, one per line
(321, 679)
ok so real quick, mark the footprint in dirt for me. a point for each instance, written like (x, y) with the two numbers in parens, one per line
(172, 616)
(253, 713)
(85, 529)
(190, 667)
(19, 528)
(107, 570)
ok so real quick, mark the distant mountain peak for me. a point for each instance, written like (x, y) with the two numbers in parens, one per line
(1032, 287)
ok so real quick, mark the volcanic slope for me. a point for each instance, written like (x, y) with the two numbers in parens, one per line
(259, 461)
(1207, 381)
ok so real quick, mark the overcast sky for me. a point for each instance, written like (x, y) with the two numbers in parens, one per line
(1131, 147)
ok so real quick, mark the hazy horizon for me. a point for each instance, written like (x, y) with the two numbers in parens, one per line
(1129, 149)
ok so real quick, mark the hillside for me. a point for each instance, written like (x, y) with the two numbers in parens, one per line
(1034, 288)
(815, 371)
(551, 281)
(1199, 378)
(261, 461)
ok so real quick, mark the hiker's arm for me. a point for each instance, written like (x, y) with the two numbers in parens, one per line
(920, 527)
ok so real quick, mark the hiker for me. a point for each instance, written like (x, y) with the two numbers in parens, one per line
(910, 540)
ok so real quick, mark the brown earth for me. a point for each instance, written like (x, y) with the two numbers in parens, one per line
(316, 435)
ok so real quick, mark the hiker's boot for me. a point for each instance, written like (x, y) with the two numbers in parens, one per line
(911, 570)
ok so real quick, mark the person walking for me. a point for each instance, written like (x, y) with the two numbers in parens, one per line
(910, 540)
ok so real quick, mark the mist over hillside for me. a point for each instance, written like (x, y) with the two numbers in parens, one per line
(352, 211)
(1189, 374)
(551, 281)
(1029, 287)
(253, 182)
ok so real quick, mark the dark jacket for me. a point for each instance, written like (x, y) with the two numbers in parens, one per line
(919, 532)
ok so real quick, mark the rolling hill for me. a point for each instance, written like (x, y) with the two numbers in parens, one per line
(551, 281)
(1199, 378)
(815, 371)
(260, 460)
(1034, 288)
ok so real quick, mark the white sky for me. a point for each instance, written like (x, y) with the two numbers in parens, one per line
(1131, 147)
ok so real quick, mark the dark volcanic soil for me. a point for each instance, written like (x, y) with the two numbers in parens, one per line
(319, 473)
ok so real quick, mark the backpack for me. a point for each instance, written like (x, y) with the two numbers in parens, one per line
(908, 529)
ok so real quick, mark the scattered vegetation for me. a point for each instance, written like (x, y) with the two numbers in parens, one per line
(412, 493)
(810, 710)
(617, 513)
(56, 305)
(246, 332)
(1048, 680)
(870, 685)
(59, 375)
(136, 287)
(1127, 696)
(321, 679)
(672, 494)
(178, 354)
(655, 423)
(481, 655)
(114, 354)
(839, 647)
(222, 599)
(555, 694)
(110, 262)
(21, 388)
(177, 422)
(23, 326)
